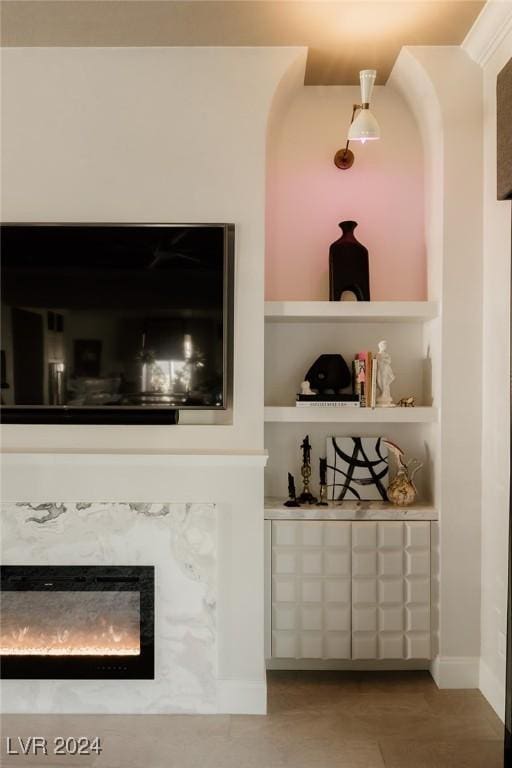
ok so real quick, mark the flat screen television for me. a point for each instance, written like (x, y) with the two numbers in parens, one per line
(115, 323)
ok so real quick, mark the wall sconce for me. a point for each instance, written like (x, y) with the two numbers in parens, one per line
(364, 127)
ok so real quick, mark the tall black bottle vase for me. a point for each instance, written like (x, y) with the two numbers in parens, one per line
(349, 274)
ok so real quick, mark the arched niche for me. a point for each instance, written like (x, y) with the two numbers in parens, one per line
(307, 196)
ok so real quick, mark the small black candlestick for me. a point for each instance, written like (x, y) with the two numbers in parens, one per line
(306, 496)
(323, 471)
(323, 484)
(292, 494)
(306, 450)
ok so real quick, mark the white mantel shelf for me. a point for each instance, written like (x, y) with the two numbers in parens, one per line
(174, 458)
(419, 415)
(349, 510)
(351, 311)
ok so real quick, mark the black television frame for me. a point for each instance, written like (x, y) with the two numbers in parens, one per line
(133, 415)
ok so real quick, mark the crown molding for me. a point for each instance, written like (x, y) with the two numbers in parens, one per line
(491, 27)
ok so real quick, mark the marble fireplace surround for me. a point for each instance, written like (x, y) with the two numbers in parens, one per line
(198, 519)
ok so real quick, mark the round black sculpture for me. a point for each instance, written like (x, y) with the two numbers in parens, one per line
(329, 374)
(348, 266)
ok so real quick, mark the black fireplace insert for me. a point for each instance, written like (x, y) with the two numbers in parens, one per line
(77, 622)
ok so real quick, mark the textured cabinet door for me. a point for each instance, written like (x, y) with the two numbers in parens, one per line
(311, 589)
(390, 590)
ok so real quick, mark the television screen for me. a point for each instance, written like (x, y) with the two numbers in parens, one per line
(132, 317)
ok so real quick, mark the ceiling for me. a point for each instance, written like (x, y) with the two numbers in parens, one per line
(342, 37)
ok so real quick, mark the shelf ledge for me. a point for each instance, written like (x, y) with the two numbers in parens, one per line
(352, 311)
(349, 510)
(327, 414)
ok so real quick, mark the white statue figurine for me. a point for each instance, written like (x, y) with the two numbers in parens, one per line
(305, 388)
(385, 376)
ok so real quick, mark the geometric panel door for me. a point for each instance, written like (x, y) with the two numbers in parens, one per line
(311, 589)
(391, 590)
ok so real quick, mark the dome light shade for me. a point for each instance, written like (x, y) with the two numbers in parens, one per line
(364, 128)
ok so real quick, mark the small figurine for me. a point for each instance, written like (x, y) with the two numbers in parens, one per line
(401, 490)
(407, 402)
(306, 497)
(385, 376)
(305, 388)
(292, 494)
(323, 484)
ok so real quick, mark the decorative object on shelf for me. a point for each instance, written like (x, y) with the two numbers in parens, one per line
(401, 489)
(385, 376)
(349, 273)
(364, 127)
(292, 493)
(322, 502)
(328, 375)
(306, 497)
(407, 402)
(357, 468)
(305, 388)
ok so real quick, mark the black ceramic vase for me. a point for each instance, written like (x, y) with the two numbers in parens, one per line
(348, 267)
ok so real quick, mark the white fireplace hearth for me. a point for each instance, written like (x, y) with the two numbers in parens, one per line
(196, 519)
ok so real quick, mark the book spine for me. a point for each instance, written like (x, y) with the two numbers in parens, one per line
(363, 378)
(374, 382)
(356, 384)
(369, 379)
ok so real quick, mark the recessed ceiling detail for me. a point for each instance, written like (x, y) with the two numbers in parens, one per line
(342, 37)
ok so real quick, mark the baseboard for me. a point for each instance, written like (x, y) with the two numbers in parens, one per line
(348, 665)
(242, 697)
(456, 671)
(493, 689)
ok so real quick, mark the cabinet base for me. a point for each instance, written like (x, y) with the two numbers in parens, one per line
(348, 665)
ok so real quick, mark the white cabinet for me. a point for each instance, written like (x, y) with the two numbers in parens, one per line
(311, 574)
(350, 590)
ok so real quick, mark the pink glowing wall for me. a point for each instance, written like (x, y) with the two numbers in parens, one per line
(307, 196)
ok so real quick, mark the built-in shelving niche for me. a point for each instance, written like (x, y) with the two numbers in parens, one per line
(297, 332)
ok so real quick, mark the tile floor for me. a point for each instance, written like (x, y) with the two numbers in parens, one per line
(315, 720)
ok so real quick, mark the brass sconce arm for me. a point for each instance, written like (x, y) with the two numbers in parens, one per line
(344, 158)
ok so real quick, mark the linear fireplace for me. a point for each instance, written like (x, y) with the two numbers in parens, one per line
(77, 622)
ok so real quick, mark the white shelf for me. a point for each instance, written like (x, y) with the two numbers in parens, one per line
(349, 510)
(328, 414)
(352, 311)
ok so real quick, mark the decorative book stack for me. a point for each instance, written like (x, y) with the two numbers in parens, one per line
(364, 378)
(333, 401)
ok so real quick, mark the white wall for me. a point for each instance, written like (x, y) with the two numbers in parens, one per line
(491, 45)
(154, 135)
(441, 84)
(307, 196)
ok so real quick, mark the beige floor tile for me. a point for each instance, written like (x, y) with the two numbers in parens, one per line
(322, 753)
(391, 682)
(467, 754)
(471, 704)
(289, 692)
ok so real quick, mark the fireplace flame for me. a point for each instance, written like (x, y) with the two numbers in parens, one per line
(63, 642)
(68, 651)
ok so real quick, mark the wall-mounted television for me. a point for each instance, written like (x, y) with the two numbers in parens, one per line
(115, 323)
